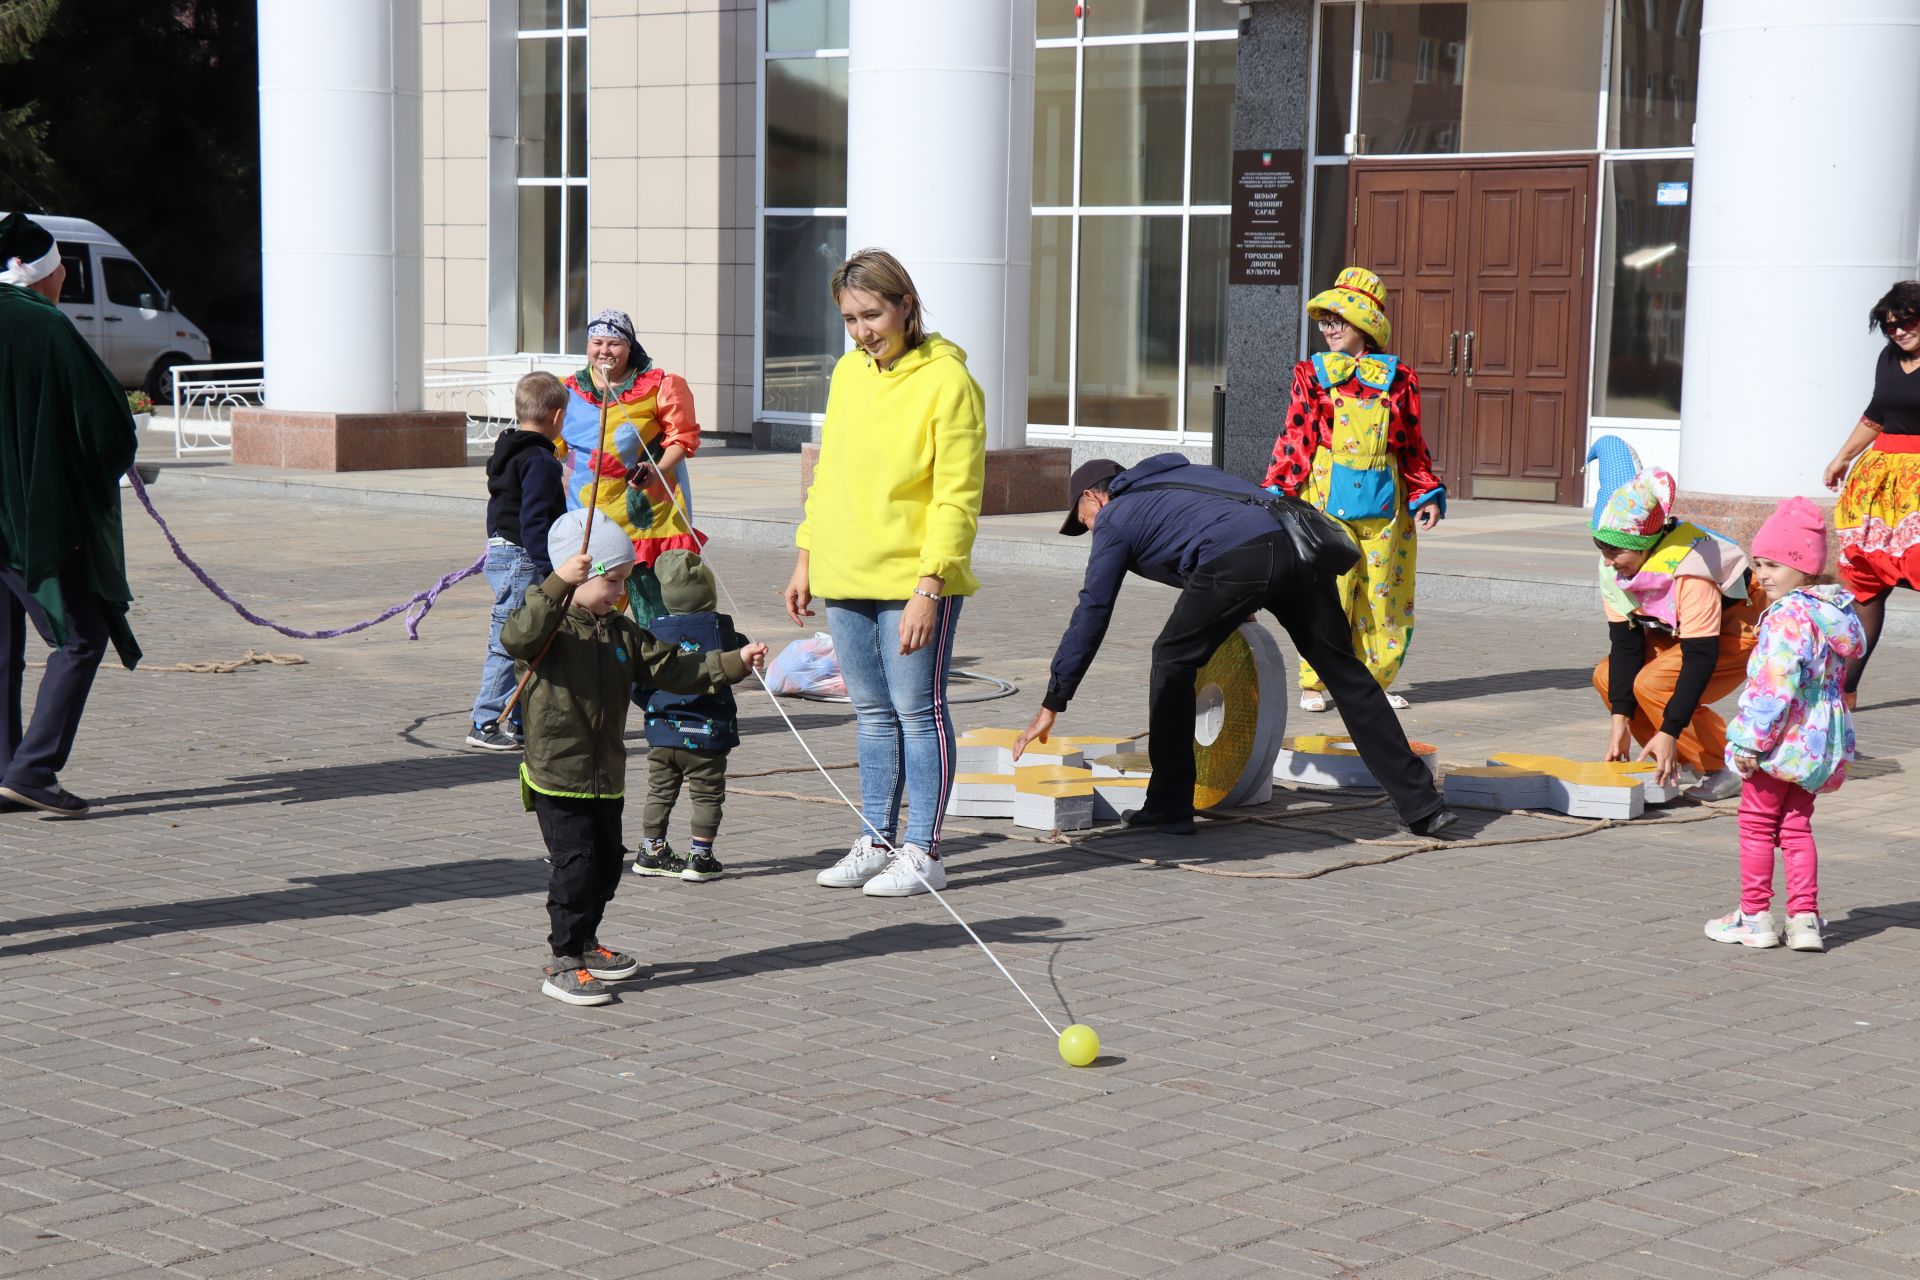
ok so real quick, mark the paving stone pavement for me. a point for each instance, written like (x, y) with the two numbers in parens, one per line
(274, 1010)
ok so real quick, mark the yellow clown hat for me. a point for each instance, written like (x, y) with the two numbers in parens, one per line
(1358, 298)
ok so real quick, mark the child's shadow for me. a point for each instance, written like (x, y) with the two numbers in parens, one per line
(1862, 923)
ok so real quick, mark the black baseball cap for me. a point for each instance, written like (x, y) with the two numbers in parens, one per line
(1084, 477)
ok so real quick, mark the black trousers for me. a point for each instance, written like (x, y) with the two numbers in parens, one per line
(588, 856)
(35, 757)
(1222, 594)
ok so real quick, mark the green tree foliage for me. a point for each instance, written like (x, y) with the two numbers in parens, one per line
(144, 116)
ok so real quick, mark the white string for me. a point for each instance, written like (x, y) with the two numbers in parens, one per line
(732, 604)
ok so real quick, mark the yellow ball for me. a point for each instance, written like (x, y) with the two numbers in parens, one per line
(1079, 1045)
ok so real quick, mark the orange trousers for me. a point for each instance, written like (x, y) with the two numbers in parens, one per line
(1702, 745)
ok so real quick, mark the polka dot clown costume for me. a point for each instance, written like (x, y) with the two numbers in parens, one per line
(1351, 445)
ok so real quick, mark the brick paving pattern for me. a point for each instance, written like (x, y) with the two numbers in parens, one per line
(274, 1010)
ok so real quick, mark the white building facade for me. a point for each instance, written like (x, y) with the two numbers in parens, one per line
(1592, 216)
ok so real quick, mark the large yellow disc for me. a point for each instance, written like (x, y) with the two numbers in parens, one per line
(1240, 709)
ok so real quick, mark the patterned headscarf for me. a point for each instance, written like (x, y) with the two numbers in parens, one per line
(1636, 515)
(617, 324)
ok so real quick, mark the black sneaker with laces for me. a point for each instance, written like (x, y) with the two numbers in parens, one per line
(662, 861)
(492, 738)
(703, 866)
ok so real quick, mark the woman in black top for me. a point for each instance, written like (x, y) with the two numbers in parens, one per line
(1878, 518)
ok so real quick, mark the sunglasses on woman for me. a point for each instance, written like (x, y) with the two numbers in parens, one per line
(1891, 325)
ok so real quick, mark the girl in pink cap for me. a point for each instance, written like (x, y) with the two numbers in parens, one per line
(1794, 735)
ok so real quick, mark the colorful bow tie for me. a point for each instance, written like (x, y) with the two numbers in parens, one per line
(1374, 370)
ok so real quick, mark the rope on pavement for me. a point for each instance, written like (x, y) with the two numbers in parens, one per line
(247, 659)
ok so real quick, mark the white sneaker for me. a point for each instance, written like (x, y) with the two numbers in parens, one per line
(862, 863)
(1748, 931)
(1397, 702)
(1313, 700)
(1804, 932)
(1720, 785)
(910, 872)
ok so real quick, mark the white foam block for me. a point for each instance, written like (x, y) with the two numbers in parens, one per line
(1322, 761)
(1052, 809)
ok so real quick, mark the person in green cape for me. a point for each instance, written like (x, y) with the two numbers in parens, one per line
(66, 438)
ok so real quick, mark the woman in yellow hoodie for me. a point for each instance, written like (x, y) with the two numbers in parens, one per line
(886, 545)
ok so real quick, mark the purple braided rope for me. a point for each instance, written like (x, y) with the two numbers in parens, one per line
(415, 606)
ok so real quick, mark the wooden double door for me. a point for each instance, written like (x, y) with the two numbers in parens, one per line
(1486, 274)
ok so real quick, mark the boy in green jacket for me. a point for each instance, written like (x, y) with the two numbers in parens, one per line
(574, 773)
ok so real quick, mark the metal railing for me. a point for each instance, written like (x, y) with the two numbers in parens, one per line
(481, 387)
(204, 398)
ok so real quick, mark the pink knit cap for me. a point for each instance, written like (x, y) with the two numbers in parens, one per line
(1794, 535)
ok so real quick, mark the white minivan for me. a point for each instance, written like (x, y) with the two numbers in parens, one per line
(118, 308)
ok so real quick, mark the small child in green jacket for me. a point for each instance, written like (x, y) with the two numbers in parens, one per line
(574, 773)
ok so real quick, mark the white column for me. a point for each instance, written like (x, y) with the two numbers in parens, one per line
(341, 205)
(1806, 208)
(940, 174)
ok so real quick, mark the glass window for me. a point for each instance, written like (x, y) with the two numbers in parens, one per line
(539, 258)
(801, 333)
(1135, 116)
(1210, 15)
(1475, 75)
(1213, 72)
(1641, 326)
(806, 153)
(541, 103)
(128, 284)
(576, 105)
(1129, 341)
(1049, 320)
(1137, 17)
(1206, 318)
(551, 162)
(78, 286)
(1053, 126)
(1656, 75)
(797, 25)
(1335, 111)
(1054, 20)
(1331, 216)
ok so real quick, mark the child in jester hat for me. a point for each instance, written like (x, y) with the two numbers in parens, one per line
(1794, 734)
(1680, 623)
(590, 659)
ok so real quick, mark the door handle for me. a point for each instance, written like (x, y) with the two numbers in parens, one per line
(1453, 353)
(113, 319)
(1469, 353)
(83, 317)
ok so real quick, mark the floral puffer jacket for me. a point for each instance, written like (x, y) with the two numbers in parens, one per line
(1792, 717)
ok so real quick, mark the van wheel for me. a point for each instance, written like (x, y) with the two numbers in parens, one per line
(160, 377)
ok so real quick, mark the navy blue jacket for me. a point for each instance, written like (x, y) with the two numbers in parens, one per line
(693, 721)
(525, 493)
(1162, 534)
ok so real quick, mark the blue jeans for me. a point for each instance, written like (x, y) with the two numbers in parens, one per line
(905, 727)
(510, 572)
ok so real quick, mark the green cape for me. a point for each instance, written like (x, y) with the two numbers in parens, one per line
(66, 438)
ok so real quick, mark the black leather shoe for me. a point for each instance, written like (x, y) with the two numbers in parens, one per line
(1434, 823)
(1168, 824)
(55, 801)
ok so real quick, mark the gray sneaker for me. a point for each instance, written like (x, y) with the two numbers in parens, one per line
(1715, 786)
(1805, 932)
(492, 739)
(568, 980)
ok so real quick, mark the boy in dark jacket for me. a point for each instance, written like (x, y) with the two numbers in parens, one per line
(574, 774)
(524, 498)
(688, 734)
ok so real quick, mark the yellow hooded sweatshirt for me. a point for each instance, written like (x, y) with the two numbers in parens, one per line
(896, 492)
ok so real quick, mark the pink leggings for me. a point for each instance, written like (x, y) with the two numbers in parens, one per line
(1775, 812)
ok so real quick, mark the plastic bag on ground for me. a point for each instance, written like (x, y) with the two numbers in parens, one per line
(807, 668)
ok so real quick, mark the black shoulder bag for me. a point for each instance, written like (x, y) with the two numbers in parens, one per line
(1320, 543)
